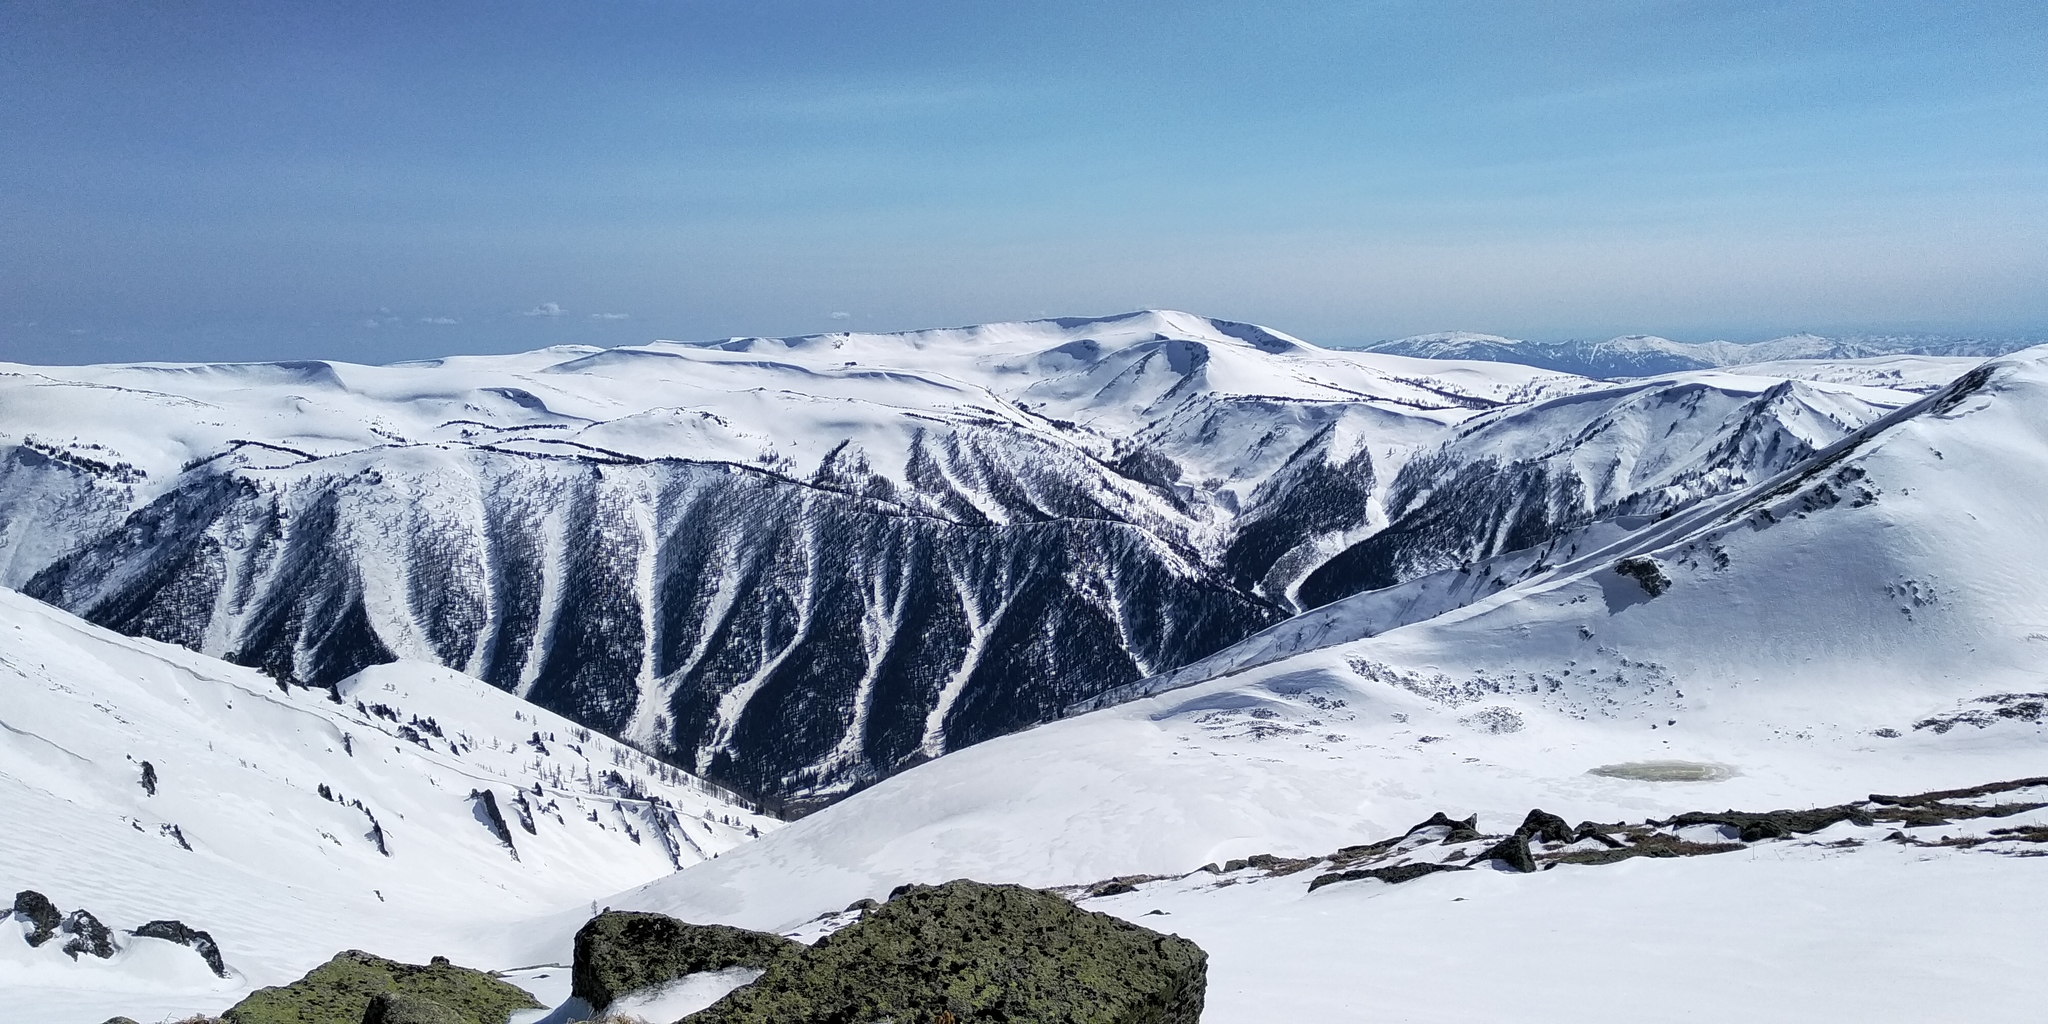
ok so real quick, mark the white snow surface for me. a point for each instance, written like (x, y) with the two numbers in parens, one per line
(1900, 578)
(1813, 634)
(281, 876)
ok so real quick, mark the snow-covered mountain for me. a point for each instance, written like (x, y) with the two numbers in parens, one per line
(1643, 355)
(423, 812)
(1460, 587)
(1869, 620)
(798, 565)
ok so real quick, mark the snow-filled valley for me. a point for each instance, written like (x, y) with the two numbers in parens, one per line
(1219, 617)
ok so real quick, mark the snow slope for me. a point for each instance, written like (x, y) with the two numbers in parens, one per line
(1867, 621)
(798, 565)
(288, 826)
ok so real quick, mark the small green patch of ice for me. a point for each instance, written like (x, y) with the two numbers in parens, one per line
(1665, 771)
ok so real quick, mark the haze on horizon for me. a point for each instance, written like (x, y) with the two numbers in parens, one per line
(381, 181)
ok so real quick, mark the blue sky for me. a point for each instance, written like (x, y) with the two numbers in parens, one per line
(187, 180)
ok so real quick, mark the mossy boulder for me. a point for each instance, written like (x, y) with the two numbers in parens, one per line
(969, 953)
(620, 952)
(340, 991)
(399, 1008)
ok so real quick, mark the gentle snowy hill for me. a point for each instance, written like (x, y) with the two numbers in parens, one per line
(143, 782)
(1869, 620)
(799, 565)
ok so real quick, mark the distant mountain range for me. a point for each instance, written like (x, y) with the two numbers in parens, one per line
(798, 566)
(1644, 355)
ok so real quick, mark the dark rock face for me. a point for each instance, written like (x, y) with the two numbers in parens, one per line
(618, 952)
(1541, 824)
(1464, 504)
(398, 1008)
(1512, 851)
(43, 916)
(808, 636)
(484, 803)
(178, 932)
(1646, 572)
(1309, 497)
(88, 935)
(1462, 830)
(340, 992)
(977, 954)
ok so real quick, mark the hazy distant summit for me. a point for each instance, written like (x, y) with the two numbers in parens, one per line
(1642, 355)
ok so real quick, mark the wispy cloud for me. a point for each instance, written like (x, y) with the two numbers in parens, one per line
(842, 315)
(546, 309)
(611, 316)
(441, 320)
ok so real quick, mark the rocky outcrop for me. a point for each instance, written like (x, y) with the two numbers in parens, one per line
(45, 921)
(1512, 852)
(341, 990)
(619, 952)
(790, 638)
(970, 953)
(484, 804)
(42, 915)
(178, 932)
(88, 936)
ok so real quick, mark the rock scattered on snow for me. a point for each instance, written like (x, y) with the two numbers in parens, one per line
(486, 807)
(88, 935)
(40, 912)
(180, 933)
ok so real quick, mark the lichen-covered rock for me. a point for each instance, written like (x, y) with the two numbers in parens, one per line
(398, 1008)
(619, 952)
(340, 991)
(969, 953)
(179, 932)
(43, 916)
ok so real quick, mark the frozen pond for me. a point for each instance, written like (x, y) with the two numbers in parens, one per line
(1665, 771)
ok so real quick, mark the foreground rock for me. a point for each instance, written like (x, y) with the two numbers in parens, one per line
(968, 953)
(342, 990)
(620, 952)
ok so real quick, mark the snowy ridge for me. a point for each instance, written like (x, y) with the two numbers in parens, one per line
(421, 815)
(1639, 355)
(1867, 620)
(799, 565)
